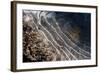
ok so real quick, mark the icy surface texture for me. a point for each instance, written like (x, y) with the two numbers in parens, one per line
(56, 36)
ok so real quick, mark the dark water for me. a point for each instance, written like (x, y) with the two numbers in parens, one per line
(80, 20)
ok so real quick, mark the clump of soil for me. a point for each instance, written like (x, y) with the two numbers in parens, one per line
(35, 47)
